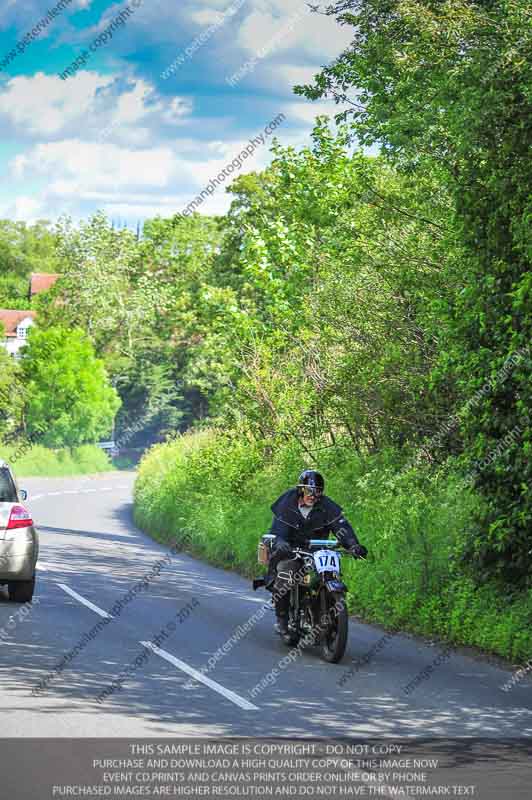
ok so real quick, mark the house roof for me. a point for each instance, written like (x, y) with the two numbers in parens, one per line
(41, 281)
(11, 319)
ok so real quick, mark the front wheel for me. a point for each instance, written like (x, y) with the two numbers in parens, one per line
(334, 627)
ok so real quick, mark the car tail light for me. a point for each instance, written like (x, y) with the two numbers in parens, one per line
(19, 518)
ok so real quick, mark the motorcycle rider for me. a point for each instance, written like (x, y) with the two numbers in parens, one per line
(300, 514)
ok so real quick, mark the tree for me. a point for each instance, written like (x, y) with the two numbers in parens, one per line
(24, 249)
(334, 328)
(68, 398)
(104, 292)
(10, 395)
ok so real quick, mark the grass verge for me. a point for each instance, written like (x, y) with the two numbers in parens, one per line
(38, 461)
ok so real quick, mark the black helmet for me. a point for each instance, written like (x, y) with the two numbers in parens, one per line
(313, 480)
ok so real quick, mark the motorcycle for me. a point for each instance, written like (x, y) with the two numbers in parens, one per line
(317, 610)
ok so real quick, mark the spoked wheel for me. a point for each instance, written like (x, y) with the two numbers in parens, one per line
(334, 620)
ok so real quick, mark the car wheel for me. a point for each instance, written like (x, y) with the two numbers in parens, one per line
(21, 591)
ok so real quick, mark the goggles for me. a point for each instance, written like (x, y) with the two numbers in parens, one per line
(311, 491)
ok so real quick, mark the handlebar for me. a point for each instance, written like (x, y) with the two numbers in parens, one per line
(332, 544)
(312, 542)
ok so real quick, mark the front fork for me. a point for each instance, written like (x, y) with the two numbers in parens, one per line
(318, 623)
(324, 622)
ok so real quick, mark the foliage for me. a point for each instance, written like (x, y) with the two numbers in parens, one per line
(211, 496)
(10, 397)
(339, 289)
(68, 398)
(135, 299)
(24, 249)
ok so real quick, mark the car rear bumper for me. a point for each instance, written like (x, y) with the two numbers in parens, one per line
(18, 555)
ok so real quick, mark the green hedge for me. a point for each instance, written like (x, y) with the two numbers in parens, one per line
(39, 461)
(213, 494)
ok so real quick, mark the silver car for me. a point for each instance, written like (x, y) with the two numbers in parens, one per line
(19, 541)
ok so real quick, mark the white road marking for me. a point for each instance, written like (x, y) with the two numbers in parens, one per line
(85, 602)
(227, 693)
(79, 491)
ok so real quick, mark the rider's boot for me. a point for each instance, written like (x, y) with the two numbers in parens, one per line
(281, 612)
(281, 625)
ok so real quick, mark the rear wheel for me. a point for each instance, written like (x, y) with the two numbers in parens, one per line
(335, 620)
(21, 591)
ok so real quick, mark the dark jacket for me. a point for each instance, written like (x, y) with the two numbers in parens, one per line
(325, 517)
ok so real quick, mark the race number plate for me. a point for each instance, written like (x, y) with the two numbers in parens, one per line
(327, 561)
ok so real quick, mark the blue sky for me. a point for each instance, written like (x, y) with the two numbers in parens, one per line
(124, 135)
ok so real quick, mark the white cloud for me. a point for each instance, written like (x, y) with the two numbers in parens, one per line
(218, 203)
(155, 179)
(44, 104)
(143, 102)
(293, 74)
(306, 112)
(132, 211)
(263, 35)
(131, 108)
(74, 164)
(280, 26)
(207, 16)
(176, 110)
(25, 208)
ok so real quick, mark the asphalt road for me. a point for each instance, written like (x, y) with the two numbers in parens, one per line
(92, 555)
